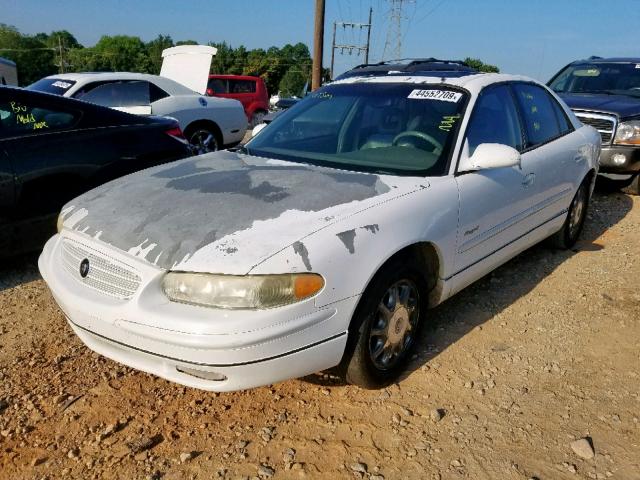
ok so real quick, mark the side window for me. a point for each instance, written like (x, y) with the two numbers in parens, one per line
(119, 94)
(19, 117)
(218, 85)
(539, 115)
(156, 93)
(242, 86)
(494, 120)
(563, 121)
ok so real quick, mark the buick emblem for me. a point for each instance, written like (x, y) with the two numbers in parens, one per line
(84, 268)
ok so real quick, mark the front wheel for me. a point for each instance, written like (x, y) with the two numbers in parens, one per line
(567, 236)
(385, 327)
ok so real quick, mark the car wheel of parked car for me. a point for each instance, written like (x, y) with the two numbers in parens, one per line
(203, 140)
(567, 236)
(385, 326)
(257, 118)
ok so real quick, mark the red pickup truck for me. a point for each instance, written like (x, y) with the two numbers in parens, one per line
(250, 91)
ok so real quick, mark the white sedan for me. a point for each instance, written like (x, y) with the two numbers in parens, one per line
(327, 238)
(208, 123)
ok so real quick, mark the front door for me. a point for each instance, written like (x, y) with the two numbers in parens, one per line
(495, 204)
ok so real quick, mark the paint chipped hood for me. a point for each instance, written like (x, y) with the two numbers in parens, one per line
(224, 212)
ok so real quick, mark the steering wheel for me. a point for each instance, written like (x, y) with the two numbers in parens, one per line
(437, 146)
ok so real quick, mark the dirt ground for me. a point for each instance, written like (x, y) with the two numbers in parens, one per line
(544, 351)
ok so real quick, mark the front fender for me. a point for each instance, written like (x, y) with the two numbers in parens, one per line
(350, 252)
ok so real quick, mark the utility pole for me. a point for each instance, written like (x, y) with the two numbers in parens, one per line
(318, 44)
(351, 48)
(61, 55)
(393, 42)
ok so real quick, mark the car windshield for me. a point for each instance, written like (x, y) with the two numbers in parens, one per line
(606, 78)
(396, 128)
(52, 85)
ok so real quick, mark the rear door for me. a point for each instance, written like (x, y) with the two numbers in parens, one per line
(560, 151)
(242, 90)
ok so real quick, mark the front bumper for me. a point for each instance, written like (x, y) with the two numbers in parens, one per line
(630, 164)
(217, 350)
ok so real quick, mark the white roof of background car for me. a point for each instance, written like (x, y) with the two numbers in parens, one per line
(473, 83)
(170, 86)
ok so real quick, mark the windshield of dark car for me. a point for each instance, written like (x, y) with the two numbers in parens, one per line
(396, 128)
(607, 78)
(56, 86)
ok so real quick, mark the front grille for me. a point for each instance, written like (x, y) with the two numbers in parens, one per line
(106, 275)
(605, 124)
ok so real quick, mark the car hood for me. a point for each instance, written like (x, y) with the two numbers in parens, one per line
(225, 212)
(621, 105)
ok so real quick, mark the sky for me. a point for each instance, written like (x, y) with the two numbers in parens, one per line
(533, 37)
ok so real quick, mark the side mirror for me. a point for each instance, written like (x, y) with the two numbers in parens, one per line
(491, 155)
(257, 129)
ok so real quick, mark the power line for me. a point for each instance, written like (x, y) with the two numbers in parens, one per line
(352, 47)
(393, 43)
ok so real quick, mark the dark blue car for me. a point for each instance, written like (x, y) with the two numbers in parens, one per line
(53, 149)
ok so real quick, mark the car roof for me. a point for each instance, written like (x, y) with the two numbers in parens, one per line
(411, 65)
(237, 77)
(595, 59)
(472, 82)
(170, 86)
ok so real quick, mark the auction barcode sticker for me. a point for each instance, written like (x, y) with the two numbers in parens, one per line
(443, 95)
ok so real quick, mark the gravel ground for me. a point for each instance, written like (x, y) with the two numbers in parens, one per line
(531, 373)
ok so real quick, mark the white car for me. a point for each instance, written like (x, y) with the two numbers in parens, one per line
(208, 123)
(324, 241)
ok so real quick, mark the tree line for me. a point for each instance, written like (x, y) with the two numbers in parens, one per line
(285, 70)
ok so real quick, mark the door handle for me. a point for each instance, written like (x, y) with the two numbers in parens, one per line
(528, 180)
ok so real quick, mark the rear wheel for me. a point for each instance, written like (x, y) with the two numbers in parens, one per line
(203, 140)
(567, 236)
(385, 327)
(257, 118)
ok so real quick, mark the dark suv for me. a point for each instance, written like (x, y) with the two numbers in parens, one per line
(605, 93)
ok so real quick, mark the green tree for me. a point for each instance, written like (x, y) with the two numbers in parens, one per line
(293, 82)
(34, 59)
(154, 51)
(480, 65)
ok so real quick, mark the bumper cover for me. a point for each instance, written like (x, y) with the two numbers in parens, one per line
(630, 165)
(244, 348)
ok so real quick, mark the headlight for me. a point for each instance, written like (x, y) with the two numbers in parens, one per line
(240, 291)
(628, 133)
(59, 222)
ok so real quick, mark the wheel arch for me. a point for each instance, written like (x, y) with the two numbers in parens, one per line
(207, 124)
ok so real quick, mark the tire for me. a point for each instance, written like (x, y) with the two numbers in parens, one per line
(384, 330)
(567, 236)
(257, 118)
(634, 187)
(203, 140)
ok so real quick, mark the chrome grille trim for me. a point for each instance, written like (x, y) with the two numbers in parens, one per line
(605, 124)
(106, 275)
